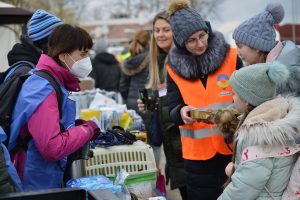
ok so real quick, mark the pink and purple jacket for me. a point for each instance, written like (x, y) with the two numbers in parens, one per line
(51, 143)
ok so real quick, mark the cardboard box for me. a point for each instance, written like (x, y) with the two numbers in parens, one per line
(87, 84)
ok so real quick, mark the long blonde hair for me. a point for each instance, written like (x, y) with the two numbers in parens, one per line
(139, 43)
(154, 79)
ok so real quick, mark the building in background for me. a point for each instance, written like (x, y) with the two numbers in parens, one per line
(289, 32)
(12, 22)
(117, 31)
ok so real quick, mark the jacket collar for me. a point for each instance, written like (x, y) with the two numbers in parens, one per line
(191, 67)
(275, 122)
(62, 74)
(136, 64)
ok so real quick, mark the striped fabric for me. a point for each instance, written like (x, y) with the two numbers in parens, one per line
(41, 25)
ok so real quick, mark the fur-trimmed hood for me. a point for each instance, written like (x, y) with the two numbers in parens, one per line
(136, 64)
(191, 67)
(290, 56)
(275, 122)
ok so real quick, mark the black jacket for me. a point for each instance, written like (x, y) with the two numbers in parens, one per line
(134, 77)
(25, 50)
(172, 146)
(195, 67)
(106, 72)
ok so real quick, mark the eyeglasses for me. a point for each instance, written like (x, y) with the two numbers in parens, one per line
(193, 41)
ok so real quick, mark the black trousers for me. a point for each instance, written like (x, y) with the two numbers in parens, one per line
(183, 194)
(204, 179)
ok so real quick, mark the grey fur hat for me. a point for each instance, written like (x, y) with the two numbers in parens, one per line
(184, 21)
(257, 83)
(258, 32)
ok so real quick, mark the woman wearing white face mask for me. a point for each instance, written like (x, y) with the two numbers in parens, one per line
(83, 66)
(36, 114)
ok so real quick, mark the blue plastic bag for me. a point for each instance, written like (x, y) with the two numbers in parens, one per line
(93, 183)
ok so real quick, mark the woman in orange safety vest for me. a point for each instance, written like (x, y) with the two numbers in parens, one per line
(199, 67)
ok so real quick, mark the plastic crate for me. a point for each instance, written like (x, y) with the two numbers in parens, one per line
(136, 159)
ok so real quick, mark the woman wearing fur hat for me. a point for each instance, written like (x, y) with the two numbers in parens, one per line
(199, 67)
(267, 122)
(256, 43)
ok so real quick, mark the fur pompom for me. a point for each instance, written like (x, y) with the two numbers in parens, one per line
(278, 73)
(292, 85)
(277, 11)
(175, 5)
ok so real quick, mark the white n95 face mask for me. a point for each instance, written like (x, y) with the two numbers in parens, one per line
(81, 68)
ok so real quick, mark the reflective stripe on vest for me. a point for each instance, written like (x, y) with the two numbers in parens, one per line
(202, 141)
(201, 133)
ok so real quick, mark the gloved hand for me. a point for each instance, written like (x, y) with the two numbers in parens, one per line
(95, 128)
(79, 122)
(92, 125)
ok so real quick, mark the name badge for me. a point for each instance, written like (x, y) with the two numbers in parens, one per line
(162, 92)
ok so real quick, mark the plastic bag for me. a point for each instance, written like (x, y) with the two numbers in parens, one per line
(126, 121)
(94, 182)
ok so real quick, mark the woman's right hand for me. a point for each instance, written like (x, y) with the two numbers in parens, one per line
(184, 112)
(141, 105)
(92, 125)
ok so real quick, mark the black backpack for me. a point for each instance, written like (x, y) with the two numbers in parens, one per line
(10, 86)
(20, 67)
(6, 183)
(9, 91)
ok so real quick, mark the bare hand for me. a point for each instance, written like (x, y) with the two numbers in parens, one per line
(141, 105)
(184, 112)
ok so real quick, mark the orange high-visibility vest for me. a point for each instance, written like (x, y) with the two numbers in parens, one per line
(201, 141)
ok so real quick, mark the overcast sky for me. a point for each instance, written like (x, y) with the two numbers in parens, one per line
(233, 12)
(230, 12)
(240, 10)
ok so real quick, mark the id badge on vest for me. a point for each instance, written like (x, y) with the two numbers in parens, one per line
(162, 90)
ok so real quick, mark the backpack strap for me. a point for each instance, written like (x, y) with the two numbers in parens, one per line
(46, 75)
(264, 151)
(22, 62)
(22, 143)
(20, 67)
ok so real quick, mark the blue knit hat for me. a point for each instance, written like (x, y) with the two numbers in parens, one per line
(41, 25)
(257, 83)
(258, 32)
(184, 21)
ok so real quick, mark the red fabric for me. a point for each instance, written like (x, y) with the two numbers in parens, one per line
(161, 183)
(61, 74)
